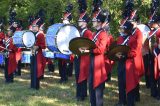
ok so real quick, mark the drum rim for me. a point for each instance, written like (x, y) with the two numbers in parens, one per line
(59, 30)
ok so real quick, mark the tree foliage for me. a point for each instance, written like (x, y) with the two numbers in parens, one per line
(55, 8)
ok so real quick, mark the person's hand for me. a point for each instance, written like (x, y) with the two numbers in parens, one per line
(34, 49)
(84, 50)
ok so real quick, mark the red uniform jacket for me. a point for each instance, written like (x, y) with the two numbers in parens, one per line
(100, 74)
(120, 40)
(134, 62)
(84, 61)
(157, 57)
(12, 64)
(2, 36)
(109, 63)
(40, 42)
(156, 65)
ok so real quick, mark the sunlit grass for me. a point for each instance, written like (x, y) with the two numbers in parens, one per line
(53, 93)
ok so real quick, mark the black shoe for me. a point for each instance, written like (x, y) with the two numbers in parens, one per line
(51, 68)
(154, 96)
(62, 81)
(137, 99)
(9, 81)
(80, 98)
(158, 97)
(119, 104)
(147, 86)
(41, 77)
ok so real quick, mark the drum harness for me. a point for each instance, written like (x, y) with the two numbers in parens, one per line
(7, 43)
(149, 37)
(82, 32)
(95, 37)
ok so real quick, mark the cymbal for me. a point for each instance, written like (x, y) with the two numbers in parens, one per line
(80, 42)
(123, 49)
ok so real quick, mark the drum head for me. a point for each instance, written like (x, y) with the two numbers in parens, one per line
(28, 39)
(145, 30)
(64, 35)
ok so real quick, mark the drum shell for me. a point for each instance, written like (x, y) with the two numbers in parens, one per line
(61, 56)
(51, 37)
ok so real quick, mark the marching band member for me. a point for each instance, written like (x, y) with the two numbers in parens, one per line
(97, 72)
(154, 73)
(10, 56)
(98, 76)
(108, 63)
(122, 59)
(2, 37)
(134, 18)
(37, 56)
(47, 61)
(82, 62)
(134, 62)
(121, 74)
(62, 63)
(18, 27)
(67, 20)
(155, 25)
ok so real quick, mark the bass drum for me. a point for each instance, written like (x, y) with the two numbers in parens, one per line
(23, 39)
(58, 37)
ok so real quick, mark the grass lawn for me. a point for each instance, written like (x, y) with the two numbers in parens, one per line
(52, 93)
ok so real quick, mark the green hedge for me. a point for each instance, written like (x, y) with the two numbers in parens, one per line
(55, 8)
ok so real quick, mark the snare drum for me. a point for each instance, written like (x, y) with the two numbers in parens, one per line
(58, 37)
(23, 39)
(26, 57)
(1, 58)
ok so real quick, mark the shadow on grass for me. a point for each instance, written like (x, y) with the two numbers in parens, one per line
(53, 93)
